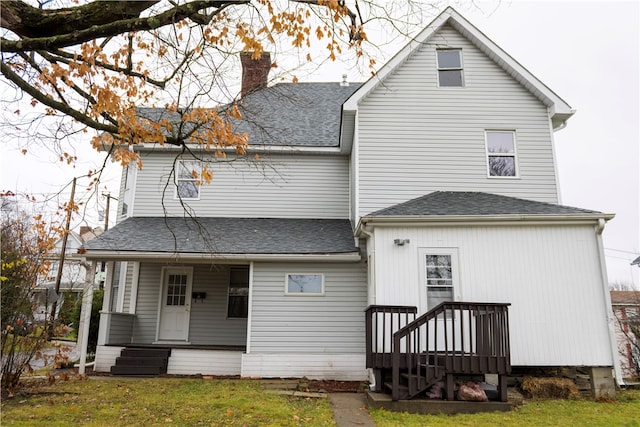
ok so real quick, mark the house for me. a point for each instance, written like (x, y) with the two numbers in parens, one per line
(72, 278)
(425, 198)
(626, 309)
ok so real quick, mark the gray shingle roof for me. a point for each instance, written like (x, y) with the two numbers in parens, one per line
(306, 114)
(228, 236)
(474, 203)
(290, 114)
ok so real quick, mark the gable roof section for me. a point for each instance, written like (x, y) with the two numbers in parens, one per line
(460, 206)
(223, 238)
(295, 114)
(286, 114)
(560, 110)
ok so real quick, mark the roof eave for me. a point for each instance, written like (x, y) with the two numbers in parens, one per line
(104, 255)
(443, 220)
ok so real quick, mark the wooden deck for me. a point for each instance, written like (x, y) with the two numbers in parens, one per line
(408, 355)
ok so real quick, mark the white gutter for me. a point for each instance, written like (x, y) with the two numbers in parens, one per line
(371, 258)
(207, 257)
(444, 220)
(608, 307)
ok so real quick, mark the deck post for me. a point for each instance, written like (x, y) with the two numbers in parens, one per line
(502, 387)
(450, 386)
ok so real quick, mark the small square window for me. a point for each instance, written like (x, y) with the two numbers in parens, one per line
(450, 68)
(501, 153)
(305, 284)
(188, 179)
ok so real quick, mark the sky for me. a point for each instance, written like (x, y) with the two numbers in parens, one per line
(585, 51)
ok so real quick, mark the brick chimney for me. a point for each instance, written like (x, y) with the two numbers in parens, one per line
(255, 72)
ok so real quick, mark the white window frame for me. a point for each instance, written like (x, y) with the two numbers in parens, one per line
(177, 179)
(514, 155)
(303, 294)
(455, 274)
(460, 68)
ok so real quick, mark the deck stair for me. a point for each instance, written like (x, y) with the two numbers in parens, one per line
(408, 355)
(142, 361)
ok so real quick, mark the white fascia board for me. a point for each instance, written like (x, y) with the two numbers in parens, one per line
(251, 149)
(561, 111)
(230, 258)
(457, 220)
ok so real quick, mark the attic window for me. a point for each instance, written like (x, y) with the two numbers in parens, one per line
(188, 179)
(450, 67)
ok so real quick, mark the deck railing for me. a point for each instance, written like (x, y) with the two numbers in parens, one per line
(452, 338)
(381, 321)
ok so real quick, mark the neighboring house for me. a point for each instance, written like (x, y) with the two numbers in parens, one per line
(72, 280)
(433, 181)
(626, 309)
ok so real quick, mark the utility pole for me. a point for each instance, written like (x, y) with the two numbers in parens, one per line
(63, 249)
(103, 265)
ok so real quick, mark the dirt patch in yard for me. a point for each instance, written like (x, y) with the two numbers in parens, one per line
(331, 386)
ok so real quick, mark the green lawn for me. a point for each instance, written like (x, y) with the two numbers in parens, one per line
(625, 411)
(199, 402)
(152, 402)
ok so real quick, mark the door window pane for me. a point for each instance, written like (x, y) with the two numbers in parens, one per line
(176, 289)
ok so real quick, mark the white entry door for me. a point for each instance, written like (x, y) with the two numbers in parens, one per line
(175, 305)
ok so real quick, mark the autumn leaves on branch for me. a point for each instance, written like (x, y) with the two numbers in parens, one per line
(96, 62)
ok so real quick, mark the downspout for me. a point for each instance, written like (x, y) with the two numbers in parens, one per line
(371, 259)
(607, 300)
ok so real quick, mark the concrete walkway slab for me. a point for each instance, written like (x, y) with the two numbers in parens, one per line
(350, 409)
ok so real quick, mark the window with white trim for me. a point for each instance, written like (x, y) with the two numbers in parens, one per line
(188, 179)
(450, 67)
(304, 284)
(439, 275)
(238, 304)
(501, 153)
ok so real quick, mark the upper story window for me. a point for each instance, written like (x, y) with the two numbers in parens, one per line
(501, 153)
(188, 174)
(450, 68)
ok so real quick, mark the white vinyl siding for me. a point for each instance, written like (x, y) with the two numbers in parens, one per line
(549, 273)
(415, 138)
(275, 186)
(333, 323)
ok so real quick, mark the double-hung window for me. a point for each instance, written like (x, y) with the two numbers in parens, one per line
(501, 153)
(188, 179)
(450, 68)
(238, 306)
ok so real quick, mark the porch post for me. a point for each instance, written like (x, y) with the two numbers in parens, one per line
(85, 317)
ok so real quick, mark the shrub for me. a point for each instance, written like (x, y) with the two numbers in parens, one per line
(554, 388)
